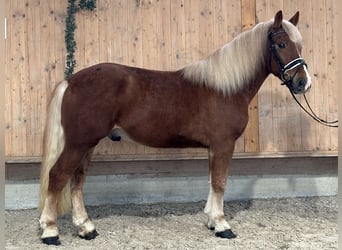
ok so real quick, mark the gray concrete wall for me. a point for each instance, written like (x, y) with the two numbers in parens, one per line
(118, 189)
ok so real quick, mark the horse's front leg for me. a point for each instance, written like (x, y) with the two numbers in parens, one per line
(218, 165)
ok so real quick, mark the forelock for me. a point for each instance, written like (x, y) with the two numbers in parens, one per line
(293, 33)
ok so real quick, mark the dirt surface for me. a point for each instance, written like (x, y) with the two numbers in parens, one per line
(301, 223)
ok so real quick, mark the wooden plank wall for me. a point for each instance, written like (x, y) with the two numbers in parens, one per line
(166, 35)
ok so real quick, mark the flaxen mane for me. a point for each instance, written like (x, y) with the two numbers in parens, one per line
(231, 67)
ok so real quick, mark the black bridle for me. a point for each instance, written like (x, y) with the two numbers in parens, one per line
(288, 79)
(284, 69)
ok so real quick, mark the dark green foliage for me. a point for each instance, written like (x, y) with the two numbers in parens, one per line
(87, 4)
(70, 27)
(70, 43)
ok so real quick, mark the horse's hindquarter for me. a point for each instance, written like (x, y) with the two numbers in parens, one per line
(90, 103)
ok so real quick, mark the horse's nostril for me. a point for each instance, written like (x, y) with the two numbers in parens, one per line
(301, 83)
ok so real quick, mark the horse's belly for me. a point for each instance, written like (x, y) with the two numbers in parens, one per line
(154, 139)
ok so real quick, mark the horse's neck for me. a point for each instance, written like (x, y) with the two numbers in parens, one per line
(254, 84)
(261, 73)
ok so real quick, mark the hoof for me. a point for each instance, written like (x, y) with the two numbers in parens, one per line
(227, 234)
(90, 236)
(51, 241)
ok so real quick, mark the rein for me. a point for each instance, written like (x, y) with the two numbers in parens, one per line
(287, 80)
(313, 115)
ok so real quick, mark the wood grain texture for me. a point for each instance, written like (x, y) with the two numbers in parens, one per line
(251, 134)
(167, 35)
(196, 167)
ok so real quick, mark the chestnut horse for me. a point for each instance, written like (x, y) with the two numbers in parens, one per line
(204, 104)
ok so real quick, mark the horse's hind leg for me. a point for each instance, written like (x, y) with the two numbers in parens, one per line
(218, 161)
(59, 176)
(48, 220)
(79, 214)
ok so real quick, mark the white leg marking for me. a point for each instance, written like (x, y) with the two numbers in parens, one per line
(79, 214)
(51, 231)
(85, 226)
(214, 210)
(208, 204)
(48, 219)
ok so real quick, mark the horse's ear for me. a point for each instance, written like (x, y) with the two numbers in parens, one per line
(295, 18)
(278, 19)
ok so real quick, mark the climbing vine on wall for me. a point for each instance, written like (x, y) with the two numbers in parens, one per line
(70, 27)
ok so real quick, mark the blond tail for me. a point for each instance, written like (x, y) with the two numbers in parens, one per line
(53, 146)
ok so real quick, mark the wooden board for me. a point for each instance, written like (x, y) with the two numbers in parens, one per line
(305, 166)
(251, 134)
(166, 35)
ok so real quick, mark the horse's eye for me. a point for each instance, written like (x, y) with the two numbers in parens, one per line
(281, 45)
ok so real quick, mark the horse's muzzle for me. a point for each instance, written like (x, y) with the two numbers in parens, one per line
(301, 85)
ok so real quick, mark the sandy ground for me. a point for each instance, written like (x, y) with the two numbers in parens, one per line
(301, 223)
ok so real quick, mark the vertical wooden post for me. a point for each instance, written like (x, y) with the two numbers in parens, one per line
(251, 135)
(2, 120)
